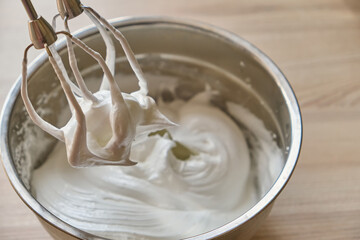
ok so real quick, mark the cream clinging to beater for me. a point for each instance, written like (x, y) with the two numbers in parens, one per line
(106, 139)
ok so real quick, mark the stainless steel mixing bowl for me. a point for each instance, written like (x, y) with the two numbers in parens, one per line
(193, 54)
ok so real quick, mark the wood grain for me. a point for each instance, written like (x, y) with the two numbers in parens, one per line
(315, 43)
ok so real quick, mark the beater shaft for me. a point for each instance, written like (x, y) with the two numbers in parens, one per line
(30, 10)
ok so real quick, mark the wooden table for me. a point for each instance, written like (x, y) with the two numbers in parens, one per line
(317, 45)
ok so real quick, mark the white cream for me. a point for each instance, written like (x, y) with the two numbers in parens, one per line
(162, 197)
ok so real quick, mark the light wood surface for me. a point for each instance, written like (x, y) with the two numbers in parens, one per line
(316, 43)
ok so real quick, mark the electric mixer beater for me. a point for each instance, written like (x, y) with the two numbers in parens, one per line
(104, 124)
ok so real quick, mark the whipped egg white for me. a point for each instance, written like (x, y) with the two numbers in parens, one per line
(163, 197)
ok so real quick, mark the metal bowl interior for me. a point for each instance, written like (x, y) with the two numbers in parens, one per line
(193, 55)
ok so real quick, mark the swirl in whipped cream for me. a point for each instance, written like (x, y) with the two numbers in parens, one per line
(162, 197)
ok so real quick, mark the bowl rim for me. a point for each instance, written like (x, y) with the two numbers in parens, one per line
(281, 81)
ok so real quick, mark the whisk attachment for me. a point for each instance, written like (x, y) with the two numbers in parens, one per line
(89, 143)
(66, 10)
(127, 49)
(69, 9)
(47, 127)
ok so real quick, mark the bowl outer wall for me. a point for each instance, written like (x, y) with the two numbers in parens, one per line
(244, 226)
